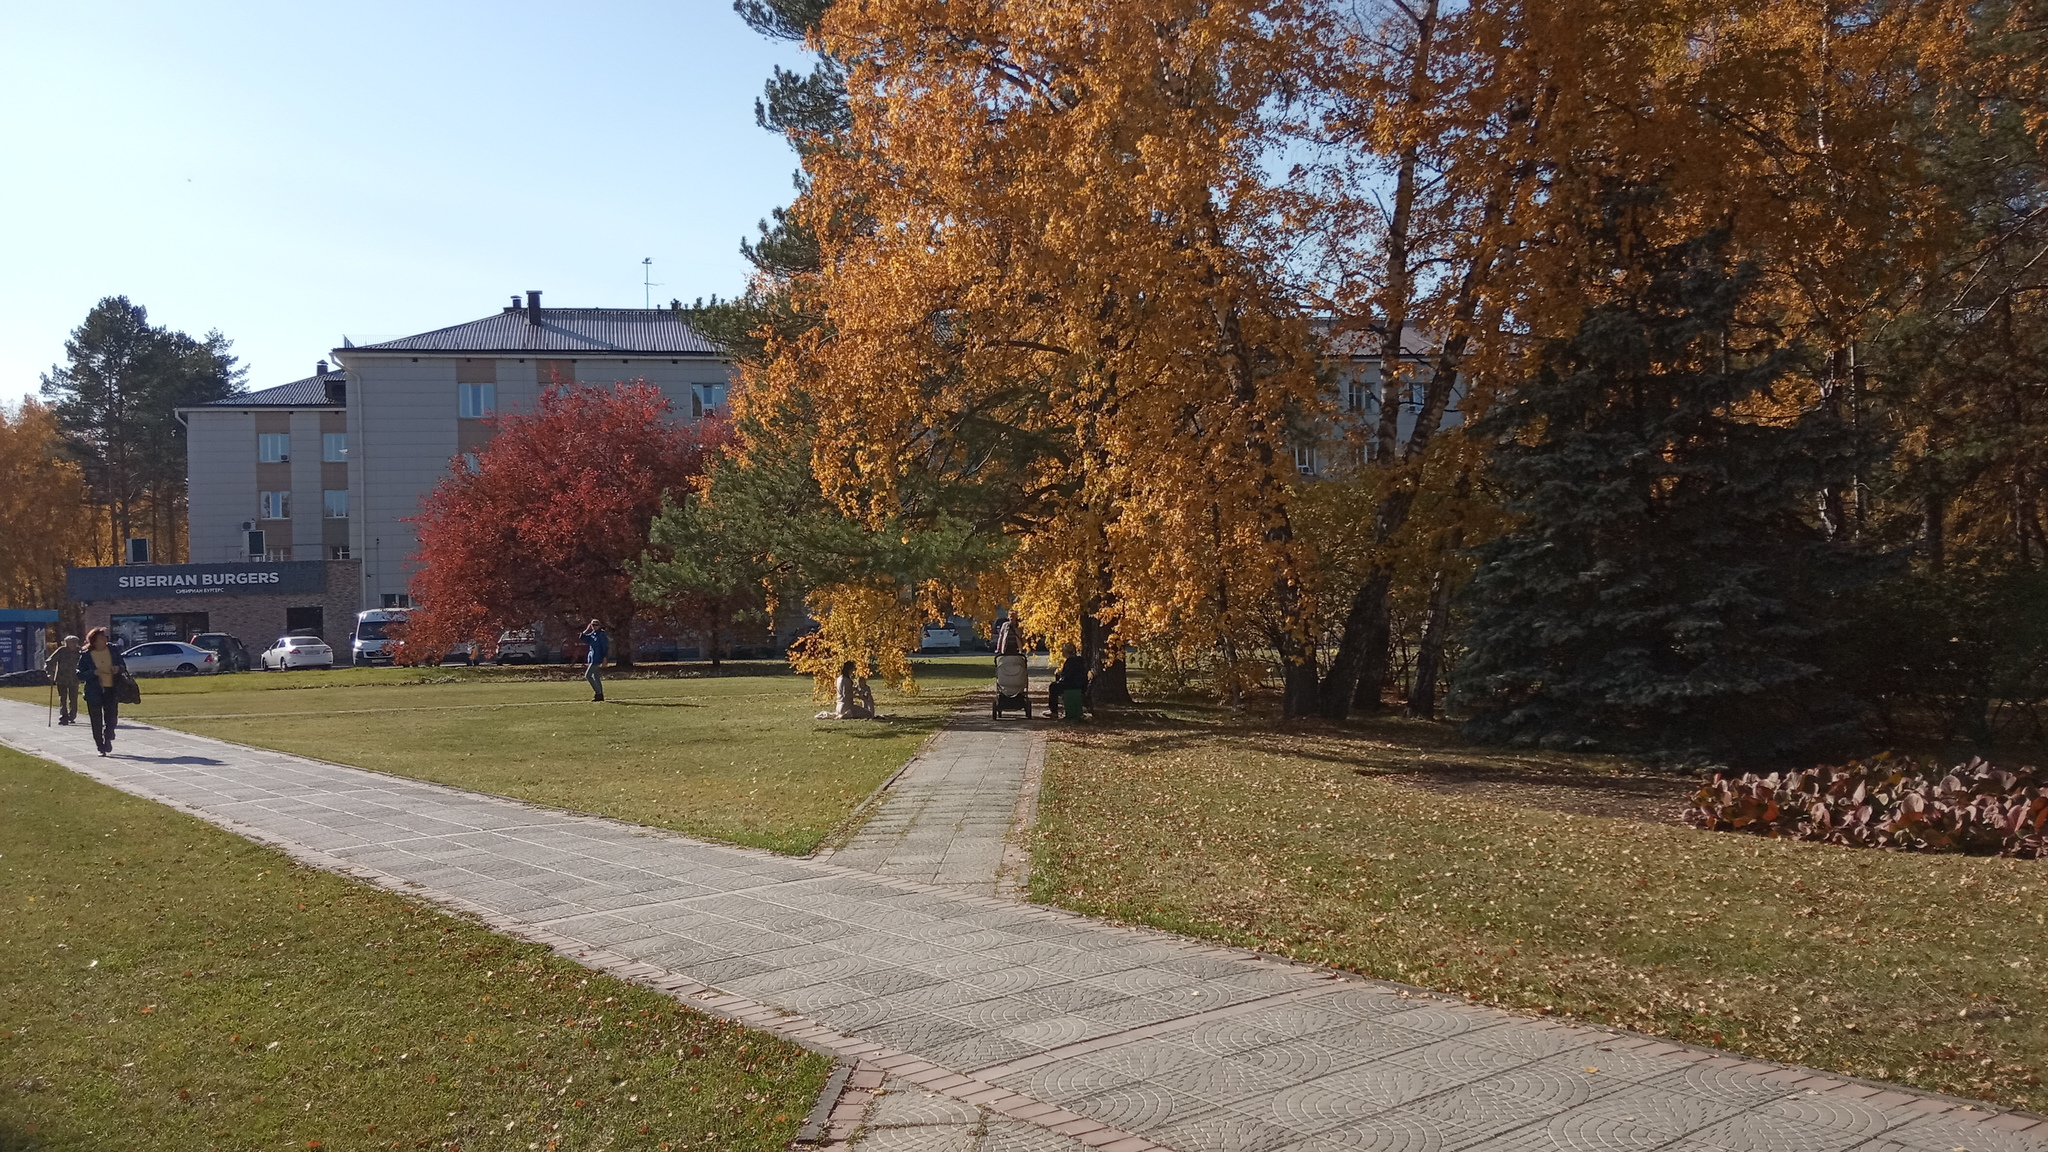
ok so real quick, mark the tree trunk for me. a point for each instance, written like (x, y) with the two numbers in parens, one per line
(1429, 661)
(1365, 629)
(1936, 531)
(1109, 680)
(622, 655)
(1369, 697)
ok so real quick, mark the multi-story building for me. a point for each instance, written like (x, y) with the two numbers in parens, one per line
(267, 473)
(1332, 445)
(333, 466)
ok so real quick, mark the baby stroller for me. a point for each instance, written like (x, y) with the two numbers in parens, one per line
(1013, 685)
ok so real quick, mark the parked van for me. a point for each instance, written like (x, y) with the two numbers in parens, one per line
(371, 643)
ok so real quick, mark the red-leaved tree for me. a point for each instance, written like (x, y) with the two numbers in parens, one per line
(546, 523)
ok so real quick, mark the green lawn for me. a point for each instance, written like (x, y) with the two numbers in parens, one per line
(164, 984)
(735, 757)
(1393, 850)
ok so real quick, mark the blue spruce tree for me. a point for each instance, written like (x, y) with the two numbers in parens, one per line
(1665, 589)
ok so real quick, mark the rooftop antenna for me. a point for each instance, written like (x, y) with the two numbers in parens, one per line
(647, 282)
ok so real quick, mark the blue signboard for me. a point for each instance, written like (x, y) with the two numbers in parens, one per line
(21, 637)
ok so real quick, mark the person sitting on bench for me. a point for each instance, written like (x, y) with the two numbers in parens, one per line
(1073, 674)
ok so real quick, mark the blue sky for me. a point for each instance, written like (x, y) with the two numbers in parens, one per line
(288, 173)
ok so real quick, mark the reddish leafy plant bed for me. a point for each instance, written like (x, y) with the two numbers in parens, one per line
(1886, 802)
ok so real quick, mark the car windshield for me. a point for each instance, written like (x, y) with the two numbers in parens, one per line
(372, 629)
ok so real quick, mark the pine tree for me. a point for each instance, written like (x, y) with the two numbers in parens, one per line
(117, 399)
(1664, 590)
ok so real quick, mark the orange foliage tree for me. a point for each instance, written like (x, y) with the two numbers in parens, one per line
(47, 522)
(1107, 226)
(546, 526)
(1056, 220)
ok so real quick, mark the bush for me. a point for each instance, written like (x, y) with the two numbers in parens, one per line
(1973, 808)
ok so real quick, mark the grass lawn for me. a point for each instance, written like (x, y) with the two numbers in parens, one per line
(164, 984)
(735, 757)
(1549, 883)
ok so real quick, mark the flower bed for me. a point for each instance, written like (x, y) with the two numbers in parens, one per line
(1973, 808)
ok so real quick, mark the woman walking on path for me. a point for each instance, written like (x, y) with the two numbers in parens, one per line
(98, 666)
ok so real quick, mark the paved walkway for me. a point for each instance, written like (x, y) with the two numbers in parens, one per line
(946, 818)
(1122, 1039)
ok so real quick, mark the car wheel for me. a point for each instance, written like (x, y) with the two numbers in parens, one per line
(187, 669)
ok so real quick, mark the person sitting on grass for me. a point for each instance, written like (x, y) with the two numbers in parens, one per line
(856, 701)
(1073, 674)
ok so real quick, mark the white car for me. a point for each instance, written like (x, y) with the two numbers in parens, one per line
(939, 638)
(170, 657)
(297, 652)
(519, 646)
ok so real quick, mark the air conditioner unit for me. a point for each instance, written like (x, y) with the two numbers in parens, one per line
(248, 525)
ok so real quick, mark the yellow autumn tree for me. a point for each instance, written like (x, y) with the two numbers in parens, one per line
(46, 523)
(1054, 220)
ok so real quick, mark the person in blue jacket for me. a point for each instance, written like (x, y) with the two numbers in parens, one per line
(598, 645)
(98, 665)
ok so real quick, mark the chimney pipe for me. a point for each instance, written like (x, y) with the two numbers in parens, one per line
(533, 306)
(514, 306)
(320, 369)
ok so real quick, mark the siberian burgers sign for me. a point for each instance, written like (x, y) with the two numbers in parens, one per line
(148, 581)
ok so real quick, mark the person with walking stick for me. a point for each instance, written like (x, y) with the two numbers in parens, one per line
(61, 666)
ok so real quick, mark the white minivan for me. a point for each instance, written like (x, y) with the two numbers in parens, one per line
(371, 644)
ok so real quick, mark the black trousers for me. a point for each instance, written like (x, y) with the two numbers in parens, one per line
(67, 699)
(1055, 696)
(106, 712)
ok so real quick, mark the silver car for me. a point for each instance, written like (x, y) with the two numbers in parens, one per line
(297, 652)
(170, 657)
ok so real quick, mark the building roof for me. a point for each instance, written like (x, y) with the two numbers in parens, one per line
(1364, 342)
(588, 331)
(308, 393)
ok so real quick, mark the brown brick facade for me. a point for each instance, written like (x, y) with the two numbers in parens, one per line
(256, 620)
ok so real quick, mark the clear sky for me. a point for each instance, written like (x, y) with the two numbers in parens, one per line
(288, 173)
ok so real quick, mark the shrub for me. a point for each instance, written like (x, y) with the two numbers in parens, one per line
(1974, 808)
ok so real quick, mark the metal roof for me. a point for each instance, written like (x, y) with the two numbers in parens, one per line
(590, 331)
(308, 393)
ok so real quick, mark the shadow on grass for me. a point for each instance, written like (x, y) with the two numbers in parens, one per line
(15, 1139)
(1424, 754)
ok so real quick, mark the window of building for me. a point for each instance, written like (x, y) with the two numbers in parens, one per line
(472, 463)
(397, 600)
(1357, 396)
(1305, 460)
(707, 400)
(334, 501)
(478, 400)
(274, 447)
(277, 555)
(334, 447)
(274, 506)
(338, 552)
